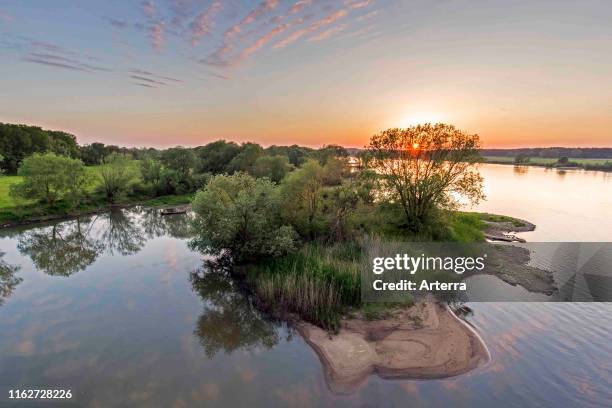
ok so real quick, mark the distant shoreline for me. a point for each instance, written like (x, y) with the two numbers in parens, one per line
(604, 165)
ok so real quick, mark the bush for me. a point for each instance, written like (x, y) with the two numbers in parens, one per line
(240, 214)
(48, 177)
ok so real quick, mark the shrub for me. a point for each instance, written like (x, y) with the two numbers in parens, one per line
(240, 214)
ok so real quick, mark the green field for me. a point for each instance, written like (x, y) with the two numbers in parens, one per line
(6, 200)
(543, 160)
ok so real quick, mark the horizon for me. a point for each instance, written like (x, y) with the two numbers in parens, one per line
(181, 72)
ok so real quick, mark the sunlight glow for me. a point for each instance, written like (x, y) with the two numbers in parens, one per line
(420, 118)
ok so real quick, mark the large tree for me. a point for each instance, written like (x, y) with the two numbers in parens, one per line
(426, 168)
(273, 167)
(48, 177)
(240, 213)
(117, 173)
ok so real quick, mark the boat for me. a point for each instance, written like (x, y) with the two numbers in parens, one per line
(173, 210)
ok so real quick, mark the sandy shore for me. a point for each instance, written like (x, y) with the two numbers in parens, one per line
(424, 341)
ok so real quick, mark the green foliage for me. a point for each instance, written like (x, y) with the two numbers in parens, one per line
(240, 214)
(246, 158)
(329, 152)
(181, 160)
(521, 159)
(19, 141)
(116, 173)
(151, 173)
(317, 282)
(424, 167)
(301, 199)
(273, 167)
(48, 177)
(466, 227)
(296, 155)
(214, 157)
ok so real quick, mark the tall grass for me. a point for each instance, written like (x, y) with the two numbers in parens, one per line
(317, 283)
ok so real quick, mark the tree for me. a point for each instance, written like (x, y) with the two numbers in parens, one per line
(180, 159)
(521, 159)
(273, 167)
(245, 160)
(215, 156)
(240, 214)
(117, 172)
(49, 177)
(326, 153)
(8, 280)
(563, 161)
(20, 141)
(151, 172)
(425, 167)
(301, 198)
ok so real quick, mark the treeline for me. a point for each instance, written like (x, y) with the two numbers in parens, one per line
(20, 141)
(552, 152)
(55, 168)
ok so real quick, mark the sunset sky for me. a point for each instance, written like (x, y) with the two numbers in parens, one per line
(311, 72)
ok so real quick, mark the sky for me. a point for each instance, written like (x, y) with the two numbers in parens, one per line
(312, 72)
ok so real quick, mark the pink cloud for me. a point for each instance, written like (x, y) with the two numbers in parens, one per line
(148, 8)
(263, 40)
(329, 19)
(264, 7)
(299, 5)
(358, 4)
(202, 24)
(328, 33)
(157, 36)
(367, 16)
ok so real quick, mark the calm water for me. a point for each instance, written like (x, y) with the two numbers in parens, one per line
(565, 205)
(118, 309)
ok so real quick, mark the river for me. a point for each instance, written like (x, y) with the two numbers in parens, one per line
(118, 308)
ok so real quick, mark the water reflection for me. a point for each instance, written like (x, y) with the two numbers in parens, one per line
(65, 248)
(8, 280)
(229, 321)
(61, 249)
(122, 233)
(520, 170)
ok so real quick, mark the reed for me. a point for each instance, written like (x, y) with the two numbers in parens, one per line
(318, 283)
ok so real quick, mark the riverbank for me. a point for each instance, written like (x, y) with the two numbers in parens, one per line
(551, 163)
(15, 217)
(424, 341)
(503, 228)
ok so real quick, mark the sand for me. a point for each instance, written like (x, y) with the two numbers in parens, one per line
(424, 341)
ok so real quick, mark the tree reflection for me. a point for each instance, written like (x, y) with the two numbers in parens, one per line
(62, 249)
(177, 225)
(121, 233)
(8, 280)
(65, 248)
(230, 321)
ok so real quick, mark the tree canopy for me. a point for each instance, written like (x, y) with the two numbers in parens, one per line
(426, 168)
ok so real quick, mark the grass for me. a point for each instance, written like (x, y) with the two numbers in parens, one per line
(317, 282)
(501, 218)
(466, 227)
(12, 210)
(6, 201)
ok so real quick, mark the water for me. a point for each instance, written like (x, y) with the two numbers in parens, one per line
(565, 205)
(118, 309)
